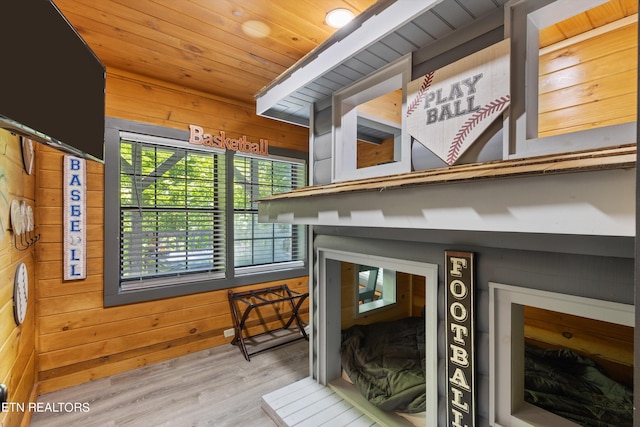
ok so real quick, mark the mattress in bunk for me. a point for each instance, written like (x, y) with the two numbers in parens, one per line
(575, 387)
(386, 362)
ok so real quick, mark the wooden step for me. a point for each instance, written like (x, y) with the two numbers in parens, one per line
(308, 404)
(350, 394)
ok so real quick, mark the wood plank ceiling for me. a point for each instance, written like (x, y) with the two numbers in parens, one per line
(228, 48)
(606, 13)
(234, 48)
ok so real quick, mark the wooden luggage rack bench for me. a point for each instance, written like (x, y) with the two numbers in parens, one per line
(262, 297)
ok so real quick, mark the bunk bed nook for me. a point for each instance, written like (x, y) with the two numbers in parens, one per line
(570, 359)
(382, 362)
(382, 351)
(578, 368)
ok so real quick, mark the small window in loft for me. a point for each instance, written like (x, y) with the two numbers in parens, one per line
(375, 288)
(379, 129)
(369, 130)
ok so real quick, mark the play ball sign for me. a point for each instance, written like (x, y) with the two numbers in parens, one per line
(449, 108)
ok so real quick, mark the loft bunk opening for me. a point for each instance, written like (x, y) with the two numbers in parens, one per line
(406, 329)
(569, 359)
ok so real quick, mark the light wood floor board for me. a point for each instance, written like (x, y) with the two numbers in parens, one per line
(215, 387)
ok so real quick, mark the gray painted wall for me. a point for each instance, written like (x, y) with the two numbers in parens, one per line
(321, 154)
(489, 146)
(600, 277)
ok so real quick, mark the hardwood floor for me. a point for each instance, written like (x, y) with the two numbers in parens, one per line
(215, 387)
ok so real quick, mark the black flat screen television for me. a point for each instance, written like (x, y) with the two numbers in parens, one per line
(52, 86)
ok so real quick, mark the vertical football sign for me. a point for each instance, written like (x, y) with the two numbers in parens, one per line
(75, 222)
(460, 339)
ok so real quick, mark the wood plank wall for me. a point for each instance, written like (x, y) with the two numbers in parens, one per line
(137, 98)
(370, 154)
(388, 109)
(609, 344)
(78, 339)
(17, 343)
(589, 81)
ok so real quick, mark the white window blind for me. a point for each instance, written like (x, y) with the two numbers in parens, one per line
(172, 214)
(263, 247)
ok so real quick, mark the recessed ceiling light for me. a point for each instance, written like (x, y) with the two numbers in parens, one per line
(256, 29)
(338, 18)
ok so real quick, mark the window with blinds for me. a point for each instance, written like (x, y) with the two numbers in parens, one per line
(263, 247)
(172, 215)
(175, 223)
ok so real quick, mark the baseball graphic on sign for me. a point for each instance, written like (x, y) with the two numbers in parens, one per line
(449, 108)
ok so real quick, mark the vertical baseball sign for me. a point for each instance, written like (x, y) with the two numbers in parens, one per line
(460, 339)
(75, 229)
